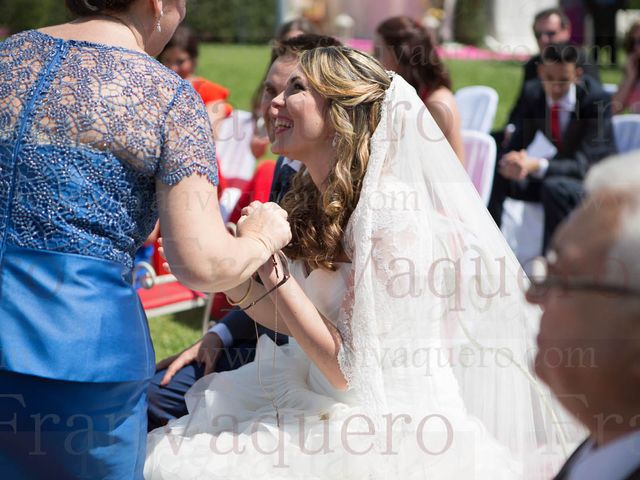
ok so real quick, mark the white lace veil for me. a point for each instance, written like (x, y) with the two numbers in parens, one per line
(437, 290)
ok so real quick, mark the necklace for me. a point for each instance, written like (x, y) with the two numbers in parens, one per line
(113, 18)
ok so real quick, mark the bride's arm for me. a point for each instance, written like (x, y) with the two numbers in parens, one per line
(262, 312)
(319, 339)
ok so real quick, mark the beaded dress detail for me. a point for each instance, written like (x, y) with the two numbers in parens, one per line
(86, 130)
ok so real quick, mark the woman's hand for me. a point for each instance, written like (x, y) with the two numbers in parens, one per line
(266, 223)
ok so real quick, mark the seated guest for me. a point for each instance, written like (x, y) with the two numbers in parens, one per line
(573, 112)
(628, 94)
(589, 290)
(406, 47)
(549, 26)
(292, 28)
(181, 56)
(230, 343)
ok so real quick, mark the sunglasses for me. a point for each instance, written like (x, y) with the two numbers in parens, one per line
(545, 33)
(541, 281)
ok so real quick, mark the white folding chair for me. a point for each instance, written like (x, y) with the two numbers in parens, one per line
(237, 162)
(480, 160)
(477, 105)
(626, 131)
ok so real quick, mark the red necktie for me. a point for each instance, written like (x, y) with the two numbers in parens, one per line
(555, 125)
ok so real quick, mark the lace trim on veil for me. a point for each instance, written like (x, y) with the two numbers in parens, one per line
(365, 383)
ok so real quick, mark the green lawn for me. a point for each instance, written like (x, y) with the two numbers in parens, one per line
(240, 68)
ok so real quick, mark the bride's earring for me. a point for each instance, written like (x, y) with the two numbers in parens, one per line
(158, 26)
(334, 142)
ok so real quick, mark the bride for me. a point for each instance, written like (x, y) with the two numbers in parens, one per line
(410, 338)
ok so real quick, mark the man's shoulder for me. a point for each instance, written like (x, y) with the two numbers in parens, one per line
(591, 92)
(533, 90)
(531, 68)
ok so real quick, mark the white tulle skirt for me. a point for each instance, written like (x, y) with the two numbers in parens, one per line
(231, 431)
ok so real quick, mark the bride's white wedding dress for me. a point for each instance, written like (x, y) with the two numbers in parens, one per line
(230, 412)
(436, 345)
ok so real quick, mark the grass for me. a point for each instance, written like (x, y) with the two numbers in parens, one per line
(240, 68)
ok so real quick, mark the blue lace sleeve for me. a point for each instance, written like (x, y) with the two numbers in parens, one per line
(188, 145)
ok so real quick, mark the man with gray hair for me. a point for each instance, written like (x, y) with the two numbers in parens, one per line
(589, 339)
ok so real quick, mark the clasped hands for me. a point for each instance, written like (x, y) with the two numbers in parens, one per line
(271, 270)
(517, 165)
(266, 223)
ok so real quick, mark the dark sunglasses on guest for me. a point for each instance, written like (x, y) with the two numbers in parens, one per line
(545, 33)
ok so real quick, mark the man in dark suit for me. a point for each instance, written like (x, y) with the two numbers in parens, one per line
(589, 335)
(603, 14)
(231, 342)
(549, 26)
(574, 113)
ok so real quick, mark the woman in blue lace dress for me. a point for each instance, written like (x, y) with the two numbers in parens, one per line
(98, 140)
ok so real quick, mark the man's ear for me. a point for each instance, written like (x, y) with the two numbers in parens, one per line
(579, 71)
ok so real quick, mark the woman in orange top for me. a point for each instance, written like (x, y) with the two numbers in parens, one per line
(181, 56)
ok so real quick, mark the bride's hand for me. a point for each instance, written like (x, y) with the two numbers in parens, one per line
(266, 223)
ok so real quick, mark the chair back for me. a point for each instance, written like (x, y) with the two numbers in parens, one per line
(477, 106)
(480, 160)
(626, 131)
(237, 163)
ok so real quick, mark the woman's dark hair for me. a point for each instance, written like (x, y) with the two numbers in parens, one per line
(86, 8)
(414, 51)
(294, 45)
(185, 39)
(299, 23)
(629, 43)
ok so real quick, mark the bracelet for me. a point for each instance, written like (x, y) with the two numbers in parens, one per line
(244, 297)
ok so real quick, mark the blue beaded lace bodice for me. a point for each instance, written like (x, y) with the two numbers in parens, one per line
(85, 132)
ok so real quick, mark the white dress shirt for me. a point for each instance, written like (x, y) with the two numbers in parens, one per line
(567, 105)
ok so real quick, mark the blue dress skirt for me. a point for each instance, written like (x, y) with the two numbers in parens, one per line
(93, 423)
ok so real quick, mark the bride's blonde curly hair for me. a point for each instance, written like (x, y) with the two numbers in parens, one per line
(353, 85)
